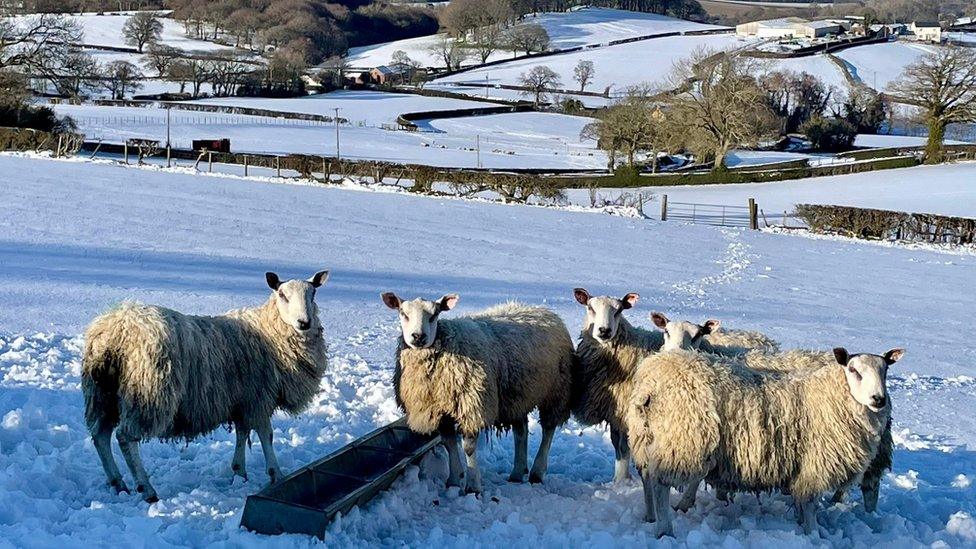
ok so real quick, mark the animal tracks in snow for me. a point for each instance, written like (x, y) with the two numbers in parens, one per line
(736, 259)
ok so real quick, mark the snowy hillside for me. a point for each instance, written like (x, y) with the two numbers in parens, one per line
(525, 140)
(618, 67)
(566, 30)
(944, 189)
(877, 65)
(79, 237)
(106, 30)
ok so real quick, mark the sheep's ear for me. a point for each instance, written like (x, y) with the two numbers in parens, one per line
(391, 300)
(273, 281)
(448, 302)
(711, 326)
(630, 300)
(840, 354)
(659, 320)
(581, 295)
(319, 278)
(893, 356)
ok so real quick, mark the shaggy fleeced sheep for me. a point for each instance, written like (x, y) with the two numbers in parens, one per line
(486, 370)
(693, 415)
(150, 372)
(801, 360)
(608, 353)
(710, 337)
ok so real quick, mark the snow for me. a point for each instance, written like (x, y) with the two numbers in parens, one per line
(566, 30)
(736, 159)
(878, 65)
(106, 30)
(947, 189)
(84, 235)
(881, 141)
(620, 66)
(371, 107)
(819, 66)
(525, 140)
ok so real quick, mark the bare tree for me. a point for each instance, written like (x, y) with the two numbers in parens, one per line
(719, 105)
(189, 71)
(942, 84)
(335, 69)
(159, 56)
(583, 73)
(26, 40)
(449, 51)
(226, 74)
(539, 81)
(528, 38)
(142, 28)
(631, 126)
(122, 76)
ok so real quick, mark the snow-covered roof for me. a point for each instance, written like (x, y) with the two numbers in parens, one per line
(781, 23)
(820, 24)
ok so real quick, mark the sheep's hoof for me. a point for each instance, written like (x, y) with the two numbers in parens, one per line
(239, 471)
(472, 489)
(684, 506)
(148, 493)
(151, 499)
(535, 478)
(516, 477)
(119, 486)
(666, 532)
(273, 473)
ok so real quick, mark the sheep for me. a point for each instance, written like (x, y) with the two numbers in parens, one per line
(151, 372)
(761, 354)
(486, 370)
(710, 337)
(810, 432)
(609, 350)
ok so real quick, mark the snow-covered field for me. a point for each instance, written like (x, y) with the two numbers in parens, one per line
(878, 65)
(817, 65)
(948, 189)
(106, 30)
(525, 140)
(566, 30)
(617, 67)
(375, 108)
(78, 237)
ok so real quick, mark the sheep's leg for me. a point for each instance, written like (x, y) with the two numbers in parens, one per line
(806, 511)
(238, 465)
(649, 514)
(541, 463)
(473, 481)
(103, 445)
(689, 495)
(722, 493)
(870, 487)
(662, 506)
(839, 496)
(520, 432)
(266, 435)
(621, 450)
(130, 451)
(449, 439)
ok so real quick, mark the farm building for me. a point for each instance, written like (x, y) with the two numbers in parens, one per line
(817, 29)
(785, 27)
(926, 31)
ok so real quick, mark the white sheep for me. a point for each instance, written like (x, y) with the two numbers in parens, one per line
(711, 337)
(694, 414)
(151, 372)
(487, 370)
(608, 353)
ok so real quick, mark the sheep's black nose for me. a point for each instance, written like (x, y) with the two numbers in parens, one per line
(604, 332)
(304, 324)
(878, 401)
(418, 337)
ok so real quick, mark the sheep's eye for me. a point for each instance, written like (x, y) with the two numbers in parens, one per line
(404, 317)
(282, 296)
(588, 308)
(855, 372)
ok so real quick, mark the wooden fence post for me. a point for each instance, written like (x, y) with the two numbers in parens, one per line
(169, 156)
(210, 160)
(664, 208)
(753, 215)
(278, 165)
(125, 151)
(245, 165)
(57, 152)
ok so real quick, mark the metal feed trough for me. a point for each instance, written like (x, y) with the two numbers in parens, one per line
(306, 501)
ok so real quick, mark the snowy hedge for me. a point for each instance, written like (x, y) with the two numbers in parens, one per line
(888, 225)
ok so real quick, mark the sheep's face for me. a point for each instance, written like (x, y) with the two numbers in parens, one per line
(603, 313)
(683, 335)
(867, 375)
(418, 317)
(295, 300)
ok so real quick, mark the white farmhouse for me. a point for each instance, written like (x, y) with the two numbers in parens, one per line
(926, 31)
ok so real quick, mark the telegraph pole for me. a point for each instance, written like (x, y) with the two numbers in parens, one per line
(336, 109)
